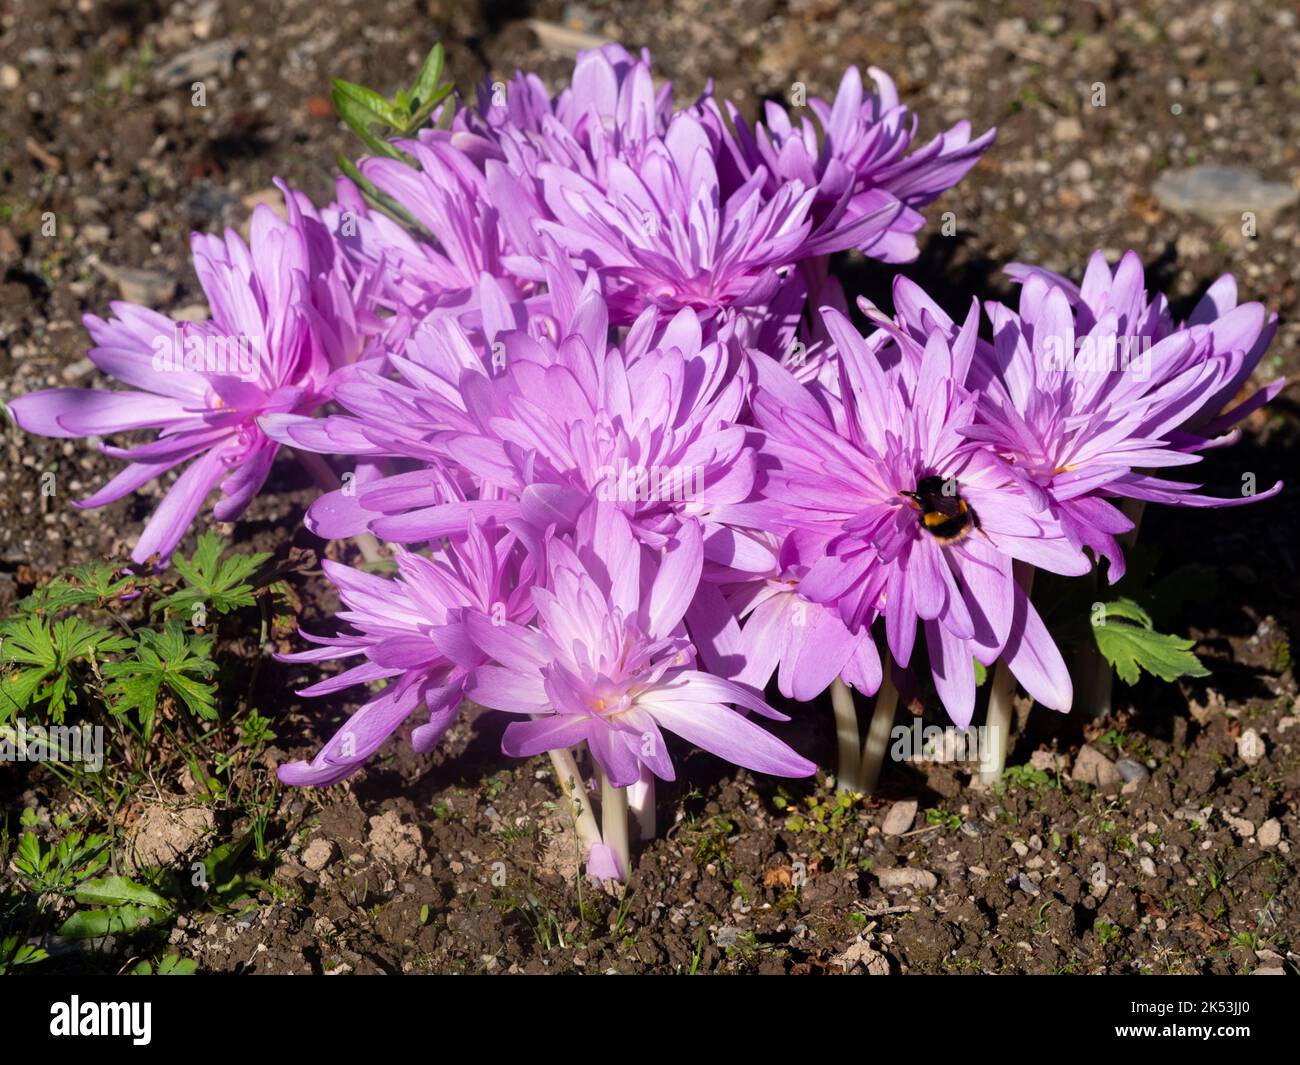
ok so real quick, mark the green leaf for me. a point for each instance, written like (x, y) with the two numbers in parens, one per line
(14, 951)
(139, 694)
(93, 582)
(359, 119)
(17, 689)
(981, 673)
(1126, 637)
(366, 104)
(381, 200)
(52, 649)
(220, 584)
(196, 697)
(117, 891)
(430, 76)
(173, 660)
(91, 924)
(171, 965)
(28, 859)
(29, 640)
(1126, 609)
(174, 965)
(223, 861)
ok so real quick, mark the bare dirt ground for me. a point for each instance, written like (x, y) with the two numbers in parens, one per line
(461, 862)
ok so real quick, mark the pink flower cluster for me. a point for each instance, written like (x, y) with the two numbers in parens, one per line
(631, 454)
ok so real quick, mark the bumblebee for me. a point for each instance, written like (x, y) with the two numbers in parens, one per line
(944, 514)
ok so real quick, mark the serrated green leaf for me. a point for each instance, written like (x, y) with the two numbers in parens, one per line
(28, 858)
(1128, 641)
(1125, 609)
(29, 640)
(88, 583)
(17, 689)
(219, 584)
(52, 648)
(138, 694)
(172, 659)
(197, 697)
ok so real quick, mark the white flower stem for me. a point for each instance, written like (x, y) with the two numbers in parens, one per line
(997, 723)
(573, 789)
(613, 823)
(1096, 677)
(328, 481)
(849, 771)
(882, 723)
(641, 803)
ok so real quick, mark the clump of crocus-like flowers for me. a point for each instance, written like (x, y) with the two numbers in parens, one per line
(581, 362)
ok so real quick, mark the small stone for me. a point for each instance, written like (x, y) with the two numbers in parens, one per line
(1067, 129)
(1269, 970)
(206, 61)
(1131, 770)
(1093, 767)
(1049, 762)
(191, 312)
(728, 936)
(1078, 171)
(164, 835)
(145, 287)
(77, 370)
(900, 818)
(1250, 748)
(903, 877)
(1147, 866)
(271, 197)
(1021, 850)
(1269, 834)
(392, 841)
(318, 854)
(1245, 829)
(1217, 193)
(872, 962)
(10, 79)
(1024, 883)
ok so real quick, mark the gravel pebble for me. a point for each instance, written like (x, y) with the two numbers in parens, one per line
(903, 877)
(900, 817)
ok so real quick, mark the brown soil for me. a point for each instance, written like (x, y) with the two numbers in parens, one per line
(461, 861)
